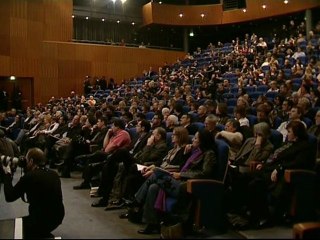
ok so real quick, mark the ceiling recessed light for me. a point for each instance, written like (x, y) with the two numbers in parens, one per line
(244, 10)
(181, 15)
(264, 6)
(202, 15)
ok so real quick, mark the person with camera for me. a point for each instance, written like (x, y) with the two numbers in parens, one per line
(42, 188)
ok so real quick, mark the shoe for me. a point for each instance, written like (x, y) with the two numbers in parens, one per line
(124, 215)
(82, 186)
(59, 163)
(100, 203)
(116, 202)
(150, 229)
(264, 223)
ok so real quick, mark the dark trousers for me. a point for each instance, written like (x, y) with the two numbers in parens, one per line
(110, 169)
(33, 228)
(93, 164)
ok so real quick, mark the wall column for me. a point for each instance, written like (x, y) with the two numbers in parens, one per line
(186, 39)
(308, 17)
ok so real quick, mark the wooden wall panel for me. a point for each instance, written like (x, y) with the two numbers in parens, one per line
(49, 50)
(255, 10)
(167, 14)
(23, 67)
(19, 9)
(35, 43)
(5, 28)
(58, 20)
(4, 65)
(35, 11)
(48, 67)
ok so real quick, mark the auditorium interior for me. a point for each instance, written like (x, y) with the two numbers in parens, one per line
(82, 57)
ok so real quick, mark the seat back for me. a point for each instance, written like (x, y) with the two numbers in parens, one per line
(169, 140)
(313, 141)
(223, 157)
(199, 125)
(276, 138)
(149, 115)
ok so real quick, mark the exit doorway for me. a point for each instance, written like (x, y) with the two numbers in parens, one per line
(16, 92)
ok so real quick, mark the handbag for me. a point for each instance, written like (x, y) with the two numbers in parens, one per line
(171, 231)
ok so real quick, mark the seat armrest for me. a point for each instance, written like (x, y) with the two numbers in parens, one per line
(94, 148)
(306, 230)
(195, 183)
(253, 165)
(297, 175)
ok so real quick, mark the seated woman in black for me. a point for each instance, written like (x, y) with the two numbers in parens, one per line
(201, 164)
(268, 185)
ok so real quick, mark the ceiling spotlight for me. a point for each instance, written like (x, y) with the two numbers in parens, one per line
(133, 23)
(160, 2)
(72, 16)
(123, 1)
(118, 21)
(202, 15)
(181, 15)
(285, 1)
(264, 6)
(244, 10)
(12, 78)
(191, 34)
(87, 18)
(102, 19)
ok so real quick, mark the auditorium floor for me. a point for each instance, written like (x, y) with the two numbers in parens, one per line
(83, 222)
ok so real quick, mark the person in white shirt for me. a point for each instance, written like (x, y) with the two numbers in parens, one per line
(294, 115)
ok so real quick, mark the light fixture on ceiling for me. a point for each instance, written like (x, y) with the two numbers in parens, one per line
(202, 15)
(285, 1)
(264, 6)
(244, 10)
(181, 15)
(12, 78)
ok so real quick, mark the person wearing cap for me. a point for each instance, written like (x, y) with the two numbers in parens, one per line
(42, 188)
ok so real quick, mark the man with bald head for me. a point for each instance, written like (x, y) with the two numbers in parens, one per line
(42, 188)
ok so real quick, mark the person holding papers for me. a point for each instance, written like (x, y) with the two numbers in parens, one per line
(202, 163)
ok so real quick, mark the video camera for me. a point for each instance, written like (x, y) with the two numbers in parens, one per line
(14, 161)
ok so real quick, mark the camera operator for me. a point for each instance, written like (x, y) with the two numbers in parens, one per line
(43, 191)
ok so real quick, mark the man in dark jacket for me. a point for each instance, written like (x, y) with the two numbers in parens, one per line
(44, 195)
